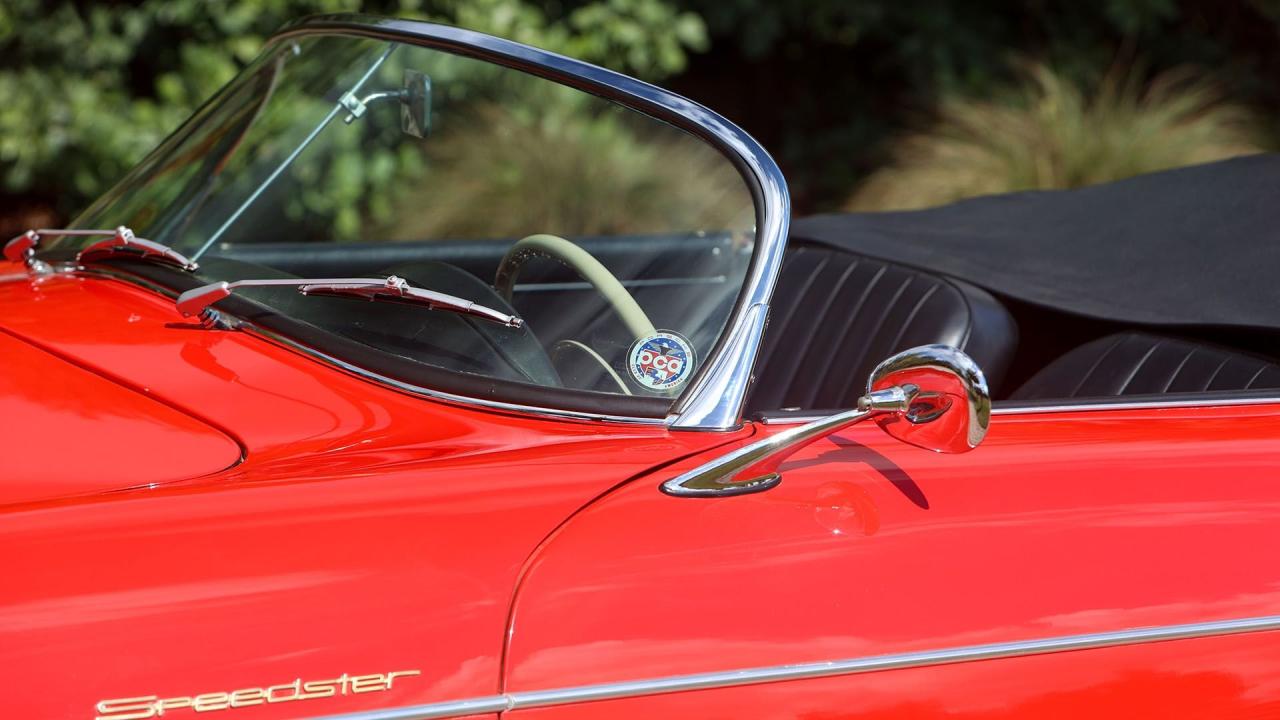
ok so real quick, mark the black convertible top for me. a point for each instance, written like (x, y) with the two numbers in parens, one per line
(1193, 246)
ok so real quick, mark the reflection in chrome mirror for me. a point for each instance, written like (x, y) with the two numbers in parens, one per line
(948, 406)
(933, 396)
(415, 104)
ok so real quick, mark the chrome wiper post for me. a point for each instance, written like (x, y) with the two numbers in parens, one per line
(124, 242)
(197, 301)
(120, 240)
(22, 249)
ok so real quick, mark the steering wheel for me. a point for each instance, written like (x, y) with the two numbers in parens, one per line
(582, 263)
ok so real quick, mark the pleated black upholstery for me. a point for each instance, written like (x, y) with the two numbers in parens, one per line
(836, 315)
(1135, 363)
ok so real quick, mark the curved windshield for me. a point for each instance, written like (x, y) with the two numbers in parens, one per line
(619, 242)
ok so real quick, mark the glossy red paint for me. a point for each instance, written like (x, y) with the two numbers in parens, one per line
(1060, 524)
(50, 401)
(369, 531)
(366, 530)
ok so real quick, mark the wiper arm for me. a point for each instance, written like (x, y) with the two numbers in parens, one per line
(119, 241)
(388, 289)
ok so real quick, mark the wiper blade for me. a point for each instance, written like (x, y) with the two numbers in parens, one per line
(389, 289)
(120, 240)
(394, 289)
(124, 242)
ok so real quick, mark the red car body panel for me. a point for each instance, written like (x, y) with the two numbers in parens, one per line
(366, 531)
(49, 400)
(195, 520)
(370, 531)
(1060, 524)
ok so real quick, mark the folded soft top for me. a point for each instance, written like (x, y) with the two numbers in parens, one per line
(1192, 246)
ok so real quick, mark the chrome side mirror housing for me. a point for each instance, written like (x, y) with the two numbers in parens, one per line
(933, 396)
(948, 406)
(415, 104)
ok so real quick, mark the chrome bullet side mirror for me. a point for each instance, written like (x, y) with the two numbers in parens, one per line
(948, 406)
(933, 396)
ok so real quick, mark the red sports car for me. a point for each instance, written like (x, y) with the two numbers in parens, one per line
(423, 374)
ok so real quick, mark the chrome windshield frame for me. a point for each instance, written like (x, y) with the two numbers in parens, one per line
(715, 397)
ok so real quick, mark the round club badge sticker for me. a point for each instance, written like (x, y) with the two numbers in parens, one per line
(661, 361)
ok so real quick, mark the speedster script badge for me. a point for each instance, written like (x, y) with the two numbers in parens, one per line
(149, 706)
(661, 361)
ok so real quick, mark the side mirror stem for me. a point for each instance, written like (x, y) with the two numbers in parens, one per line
(933, 396)
(754, 467)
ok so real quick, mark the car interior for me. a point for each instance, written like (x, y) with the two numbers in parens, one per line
(568, 328)
(836, 314)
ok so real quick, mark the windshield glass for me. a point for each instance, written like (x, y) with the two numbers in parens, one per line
(619, 240)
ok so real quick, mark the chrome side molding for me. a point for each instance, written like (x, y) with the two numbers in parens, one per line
(525, 699)
(933, 396)
(22, 249)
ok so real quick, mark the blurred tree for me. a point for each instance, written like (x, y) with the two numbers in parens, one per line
(824, 84)
(1049, 133)
(92, 86)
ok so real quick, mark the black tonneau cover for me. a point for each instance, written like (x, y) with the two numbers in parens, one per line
(1192, 246)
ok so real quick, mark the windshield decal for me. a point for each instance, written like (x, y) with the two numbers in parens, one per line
(661, 361)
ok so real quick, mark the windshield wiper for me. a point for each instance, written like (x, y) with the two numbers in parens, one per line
(389, 289)
(120, 241)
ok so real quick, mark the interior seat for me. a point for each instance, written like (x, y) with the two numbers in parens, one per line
(836, 315)
(1136, 363)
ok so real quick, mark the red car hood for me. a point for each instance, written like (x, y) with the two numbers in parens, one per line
(71, 431)
(105, 387)
(365, 529)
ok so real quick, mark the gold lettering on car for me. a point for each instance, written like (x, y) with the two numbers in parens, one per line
(151, 706)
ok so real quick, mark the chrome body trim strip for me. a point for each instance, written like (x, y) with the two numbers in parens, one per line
(800, 418)
(803, 671)
(430, 711)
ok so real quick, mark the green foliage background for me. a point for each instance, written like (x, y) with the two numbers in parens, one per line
(90, 87)
(826, 85)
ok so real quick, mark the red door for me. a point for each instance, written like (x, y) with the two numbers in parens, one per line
(1118, 563)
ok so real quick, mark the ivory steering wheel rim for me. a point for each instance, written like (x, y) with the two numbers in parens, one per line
(585, 265)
